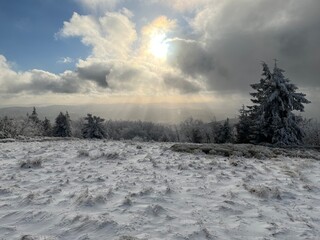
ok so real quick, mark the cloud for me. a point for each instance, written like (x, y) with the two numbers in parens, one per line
(65, 60)
(191, 57)
(139, 79)
(214, 46)
(182, 84)
(38, 81)
(112, 67)
(231, 38)
(115, 64)
(96, 72)
(111, 35)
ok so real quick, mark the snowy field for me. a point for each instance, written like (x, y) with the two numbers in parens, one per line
(126, 190)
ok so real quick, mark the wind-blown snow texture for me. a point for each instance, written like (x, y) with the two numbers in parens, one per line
(127, 190)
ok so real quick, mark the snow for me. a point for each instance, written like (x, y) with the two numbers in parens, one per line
(130, 190)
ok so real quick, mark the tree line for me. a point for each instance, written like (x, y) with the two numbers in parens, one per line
(270, 120)
(95, 127)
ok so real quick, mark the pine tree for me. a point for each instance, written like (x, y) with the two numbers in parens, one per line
(62, 126)
(68, 125)
(93, 128)
(258, 131)
(34, 116)
(244, 126)
(47, 127)
(225, 133)
(275, 99)
(32, 125)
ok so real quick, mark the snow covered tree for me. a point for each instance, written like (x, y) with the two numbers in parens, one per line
(244, 126)
(47, 127)
(192, 130)
(62, 126)
(312, 132)
(30, 128)
(225, 133)
(7, 128)
(34, 116)
(32, 125)
(68, 125)
(93, 128)
(275, 99)
(76, 127)
(258, 128)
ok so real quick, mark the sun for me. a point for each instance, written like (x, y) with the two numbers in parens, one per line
(159, 46)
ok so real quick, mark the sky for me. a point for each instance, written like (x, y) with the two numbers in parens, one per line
(204, 52)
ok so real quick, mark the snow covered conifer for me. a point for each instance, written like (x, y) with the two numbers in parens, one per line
(258, 126)
(225, 133)
(275, 99)
(93, 128)
(62, 126)
(47, 128)
(244, 126)
(34, 116)
(68, 125)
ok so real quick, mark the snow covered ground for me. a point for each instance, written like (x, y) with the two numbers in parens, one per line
(128, 190)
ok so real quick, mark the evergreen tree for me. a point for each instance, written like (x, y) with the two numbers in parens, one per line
(272, 116)
(93, 128)
(68, 125)
(34, 116)
(47, 127)
(258, 130)
(31, 126)
(225, 133)
(244, 126)
(62, 126)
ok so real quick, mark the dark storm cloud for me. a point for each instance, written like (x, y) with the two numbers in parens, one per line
(238, 36)
(96, 72)
(190, 57)
(180, 83)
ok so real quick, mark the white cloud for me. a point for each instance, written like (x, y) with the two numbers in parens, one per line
(65, 60)
(110, 36)
(120, 62)
(38, 81)
(6, 73)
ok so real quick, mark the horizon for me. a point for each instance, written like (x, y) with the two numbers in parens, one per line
(152, 53)
(156, 113)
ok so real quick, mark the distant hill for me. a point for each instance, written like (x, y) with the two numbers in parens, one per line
(153, 112)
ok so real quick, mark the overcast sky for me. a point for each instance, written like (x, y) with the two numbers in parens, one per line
(172, 51)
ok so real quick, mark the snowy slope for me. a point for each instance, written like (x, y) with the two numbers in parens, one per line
(127, 190)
